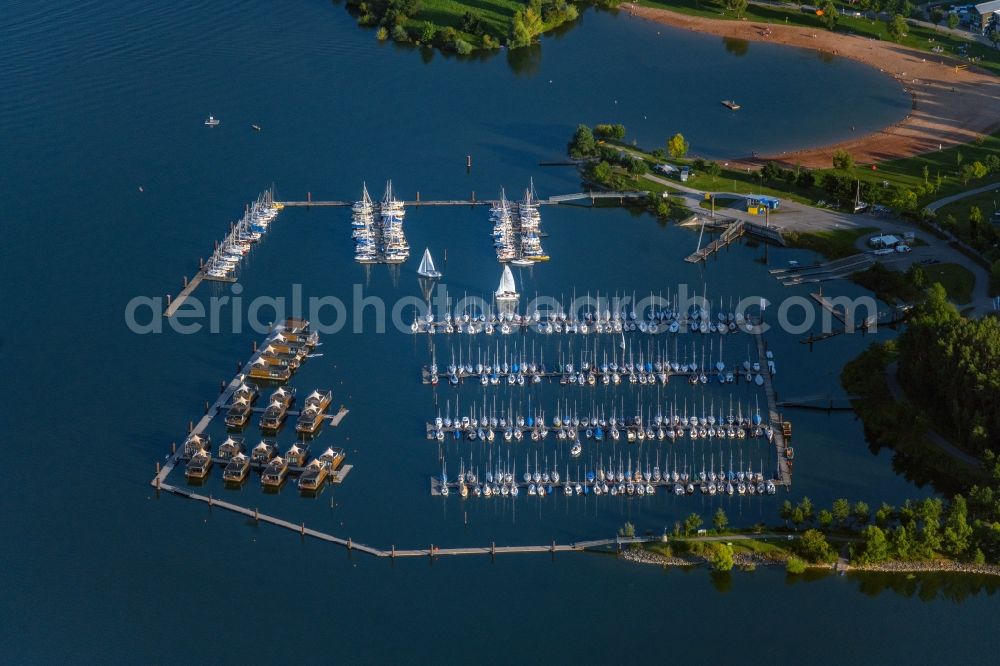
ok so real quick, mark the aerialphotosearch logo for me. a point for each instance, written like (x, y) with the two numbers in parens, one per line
(361, 313)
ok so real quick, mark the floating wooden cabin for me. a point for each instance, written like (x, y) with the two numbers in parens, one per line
(237, 469)
(239, 413)
(333, 458)
(231, 447)
(264, 452)
(297, 454)
(313, 476)
(275, 473)
(195, 444)
(199, 466)
(277, 409)
(309, 421)
(260, 369)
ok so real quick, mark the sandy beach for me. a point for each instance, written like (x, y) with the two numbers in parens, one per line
(949, 106)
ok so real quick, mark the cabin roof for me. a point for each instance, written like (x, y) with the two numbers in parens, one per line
(988, 7)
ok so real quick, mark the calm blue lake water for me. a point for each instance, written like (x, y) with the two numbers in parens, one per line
(102, 98)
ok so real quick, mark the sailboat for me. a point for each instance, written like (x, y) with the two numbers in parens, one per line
(507, 291)
(426, 268)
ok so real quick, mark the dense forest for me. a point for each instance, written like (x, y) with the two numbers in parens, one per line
(951, 368)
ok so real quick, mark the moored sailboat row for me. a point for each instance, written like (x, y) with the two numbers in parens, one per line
(516, 230)
(250, 229)
(378, 229)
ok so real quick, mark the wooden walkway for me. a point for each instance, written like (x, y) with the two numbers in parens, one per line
(185, 293)
(784, 470)
(732, 232)
(430, 551)
(553, 200)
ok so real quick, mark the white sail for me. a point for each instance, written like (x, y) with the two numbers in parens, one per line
(426, 268)
(507, 289)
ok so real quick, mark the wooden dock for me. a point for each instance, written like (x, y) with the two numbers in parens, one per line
(221, 405)
(393, 552)
(784, 469)
(565, 379)
(732, 233)
(174, 303)
(416, 203)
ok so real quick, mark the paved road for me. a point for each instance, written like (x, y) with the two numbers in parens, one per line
(794, 216)
(898, 394)
(933, 206)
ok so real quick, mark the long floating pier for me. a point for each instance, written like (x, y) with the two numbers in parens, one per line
(431, 551)
(570, 378)
(551, 201)
(784, 470)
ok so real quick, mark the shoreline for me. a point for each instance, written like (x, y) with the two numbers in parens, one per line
(743, 561)
(950, 107)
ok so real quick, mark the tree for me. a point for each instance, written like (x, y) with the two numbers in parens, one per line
(975, 219)
(874, 549)
(677, 146)
(605, 131)
(786, 511)
(830, 14)
(627, 531)
(814, 548)
(953, 21)
(927, 175)
(806, 506)
(825, 518)
(937, 16)
(602, 172)
(841, 509)
(713, 169)
(737, 7)
(637, 167)
(721, 557)
(692, 523)
(582, 144)
(795, 565)
(901, 545)
(861, 512)
(720, 520)
(843, 160)
(427, 33)
(897, 27)
(399, 34)
(885, 512)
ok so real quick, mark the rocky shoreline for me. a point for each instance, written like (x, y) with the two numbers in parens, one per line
(753, 560)
(933, 566)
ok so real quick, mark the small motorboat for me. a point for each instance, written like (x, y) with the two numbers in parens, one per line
(256, 128)
(212, 121)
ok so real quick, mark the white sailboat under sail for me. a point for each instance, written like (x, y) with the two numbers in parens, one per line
(426, 268)
(507, 291)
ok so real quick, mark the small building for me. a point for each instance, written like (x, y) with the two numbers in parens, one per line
(983, 14)
(759, 204)
(668, 169)
(883, 241)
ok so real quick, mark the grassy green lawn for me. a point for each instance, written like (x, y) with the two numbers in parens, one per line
(496, 16)
(730, 180)
(957, 280)
(987, 202)
(833, 244)
(907, 173)
(918, 37)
